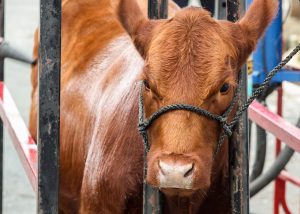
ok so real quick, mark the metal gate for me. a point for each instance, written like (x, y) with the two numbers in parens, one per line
(45, 179)
(47, 175)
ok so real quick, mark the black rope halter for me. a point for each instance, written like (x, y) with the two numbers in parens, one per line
(144, 123)
(227, 127)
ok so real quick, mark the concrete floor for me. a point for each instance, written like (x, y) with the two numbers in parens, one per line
(21, 19)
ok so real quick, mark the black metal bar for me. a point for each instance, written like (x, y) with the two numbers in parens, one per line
(152, 197)
(2, 13)
(233, 10)
(181, 3)
(49, 111)
(158, 9)
(239, 145)
(209, 5)
(239, 160)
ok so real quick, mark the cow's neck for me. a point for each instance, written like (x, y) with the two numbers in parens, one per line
(202, 201)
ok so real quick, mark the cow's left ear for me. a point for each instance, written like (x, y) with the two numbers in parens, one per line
(137, 25)
(254, 23)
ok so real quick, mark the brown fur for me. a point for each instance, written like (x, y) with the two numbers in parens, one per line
(185, 59)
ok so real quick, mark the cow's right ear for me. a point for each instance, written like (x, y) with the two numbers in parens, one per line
(137, 25)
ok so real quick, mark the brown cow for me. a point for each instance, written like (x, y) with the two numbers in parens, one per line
(190, 58)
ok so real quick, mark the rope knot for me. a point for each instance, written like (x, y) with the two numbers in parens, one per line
(227, 129)
(223, 120)
(141, 127)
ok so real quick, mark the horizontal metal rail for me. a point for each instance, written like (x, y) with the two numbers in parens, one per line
(284, 175)
(285, 74)
(8, 51)
(22, 141)
(271, 122)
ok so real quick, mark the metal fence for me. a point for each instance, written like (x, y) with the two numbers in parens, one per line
(49, 115)
(49, 103)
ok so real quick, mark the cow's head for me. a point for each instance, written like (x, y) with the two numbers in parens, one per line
(191, 59)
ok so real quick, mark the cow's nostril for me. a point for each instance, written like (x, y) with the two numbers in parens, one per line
(190, 171)
(161, 167)
(164, 168)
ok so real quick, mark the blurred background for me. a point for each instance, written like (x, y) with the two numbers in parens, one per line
(22, 17)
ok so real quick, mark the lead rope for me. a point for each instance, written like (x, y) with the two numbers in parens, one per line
(225, 117)
(257, 92)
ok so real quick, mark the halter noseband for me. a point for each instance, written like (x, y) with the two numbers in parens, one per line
(145, 123)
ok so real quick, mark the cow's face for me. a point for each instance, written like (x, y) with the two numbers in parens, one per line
(190, 59)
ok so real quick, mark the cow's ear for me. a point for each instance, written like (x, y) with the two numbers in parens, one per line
(255, 22)
(136, 24)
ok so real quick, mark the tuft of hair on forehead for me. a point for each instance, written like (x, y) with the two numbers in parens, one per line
(188, 48)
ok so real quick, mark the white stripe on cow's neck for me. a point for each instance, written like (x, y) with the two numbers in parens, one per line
(102, 101)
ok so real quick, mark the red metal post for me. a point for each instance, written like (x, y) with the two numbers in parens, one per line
(279, 186)
(279, 112)
(285, 132)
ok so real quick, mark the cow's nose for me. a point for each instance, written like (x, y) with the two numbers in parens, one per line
(175, 175)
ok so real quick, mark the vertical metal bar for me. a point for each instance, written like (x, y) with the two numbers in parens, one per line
(181, 3)
(279, 185)
(239, 145)
(279, 112)
(152, 198)
(2, 13)
(158, 9)
(233, 10)
(49, 111)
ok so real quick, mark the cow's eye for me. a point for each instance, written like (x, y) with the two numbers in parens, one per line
(225, 88)
(147, 86)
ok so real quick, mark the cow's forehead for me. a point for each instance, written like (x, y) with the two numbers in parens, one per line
(192, 39)
(189, 52)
